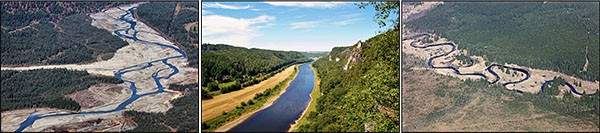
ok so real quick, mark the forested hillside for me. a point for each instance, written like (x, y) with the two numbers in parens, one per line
(46, 87)
(183, 117)
(34, 35)
(365, 96)
(178, 21)
(545, 35)
(226, 66)
(20, 14)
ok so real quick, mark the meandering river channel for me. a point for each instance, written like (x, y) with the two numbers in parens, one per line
(496, 78)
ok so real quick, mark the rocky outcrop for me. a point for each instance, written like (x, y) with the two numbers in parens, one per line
(353, 54)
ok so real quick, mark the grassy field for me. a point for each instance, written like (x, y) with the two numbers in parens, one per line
(223, 85)
(257, 101)
(312, 106)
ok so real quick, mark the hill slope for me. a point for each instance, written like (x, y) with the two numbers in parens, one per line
(360, 87)
(34, 34)
(223, 63)
(552, 36)
(171, 19)
(46, 87)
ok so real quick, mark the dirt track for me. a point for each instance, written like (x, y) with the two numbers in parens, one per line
(212, 108)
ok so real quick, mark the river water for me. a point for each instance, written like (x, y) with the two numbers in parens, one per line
(288, 107)
(125, 33)
(489, 68)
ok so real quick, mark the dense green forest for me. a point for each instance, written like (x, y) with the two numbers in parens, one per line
(170, 18)
(228, 68)
(62, 36)
(46, 87)
(556, 36)
(183, 116)
(20, 14)
(366, 95)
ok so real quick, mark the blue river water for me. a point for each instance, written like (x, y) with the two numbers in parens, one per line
(130, 19)
(489, 68)
(287, 109)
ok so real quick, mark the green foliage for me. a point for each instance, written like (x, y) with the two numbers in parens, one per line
(183, 88)
(361, 95)
(552, 36)
(223, 63)
(212, 86)
(464, 59)
(183, 116)
(204, 94)
(383, 11)
(428, 41)
(147, 121)
(585, 108)
(72, 40)
(45, 87)
(160, 16)
(229, 87)
(259, 100)
(20, 14)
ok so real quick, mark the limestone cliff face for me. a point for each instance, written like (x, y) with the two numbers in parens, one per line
(354, 54)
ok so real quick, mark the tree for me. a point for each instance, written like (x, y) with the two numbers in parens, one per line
(383, 11)
(212, 86)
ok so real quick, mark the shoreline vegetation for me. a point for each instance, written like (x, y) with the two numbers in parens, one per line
(227, 68)
(214, 107)
(232, 118)
(232, 86)
(312, 105)
(503, 29)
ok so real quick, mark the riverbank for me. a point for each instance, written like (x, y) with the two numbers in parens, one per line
(214, 107)
(127, 64)
(530, 82)
(268, 103)
(312, 105)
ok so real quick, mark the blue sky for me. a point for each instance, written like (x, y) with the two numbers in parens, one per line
(297, 26)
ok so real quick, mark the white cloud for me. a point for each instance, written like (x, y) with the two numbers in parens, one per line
(205, 12)
(232, 31)
(307, 24)
(232, 7)
(347, 21)
(307, 4)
